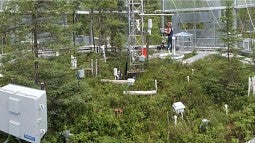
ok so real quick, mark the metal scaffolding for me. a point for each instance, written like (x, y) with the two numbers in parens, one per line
(135, 35)
(202, 18)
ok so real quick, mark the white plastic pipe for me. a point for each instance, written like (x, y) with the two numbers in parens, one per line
(182, 115)
(175, 120)
(249, 86)
(57, 54)
(72, 62)
(75, 63)
(226, 109)
(104, 55)
(138, 24)
(115, 73)
(131, 81)
(173, 44)
(253, 85)
(156, 85)
(92, 66)
(151, 92)
(140, 92)
(115, 81)
(149, 23)
(96, 67)
(149, 26)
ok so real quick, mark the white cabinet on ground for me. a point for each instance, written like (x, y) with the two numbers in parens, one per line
(23, 112)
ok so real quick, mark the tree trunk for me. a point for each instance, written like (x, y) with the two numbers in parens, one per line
(35, 45)
(35, 36)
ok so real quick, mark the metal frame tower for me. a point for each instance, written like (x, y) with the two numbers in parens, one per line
(135, 35)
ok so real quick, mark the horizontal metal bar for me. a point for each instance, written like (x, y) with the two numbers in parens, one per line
(163, 14)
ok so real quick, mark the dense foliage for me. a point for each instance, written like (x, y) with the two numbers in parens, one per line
(87, 109)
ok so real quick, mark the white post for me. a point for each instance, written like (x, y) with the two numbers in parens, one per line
(167, 118)
(75, 63)
(253, 85)
(175, 120)
(96, 67)
(188, 78)
(156, 85)
(138, 24)
(226, 109)
(149, 26)
(2, 45)
(182, 115)
(173, 44)
(249, 86)
(57, 54)
(92, 66)
(103, 50)
(115, 73)
(72, 58)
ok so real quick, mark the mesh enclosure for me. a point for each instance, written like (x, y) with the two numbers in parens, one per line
(202, 18)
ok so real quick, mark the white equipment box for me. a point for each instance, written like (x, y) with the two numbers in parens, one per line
(178, 107)
(23, 112)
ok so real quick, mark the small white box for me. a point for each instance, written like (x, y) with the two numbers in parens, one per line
(178, 107)
(80, 73)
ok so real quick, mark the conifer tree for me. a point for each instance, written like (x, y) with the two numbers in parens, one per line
(228, 30)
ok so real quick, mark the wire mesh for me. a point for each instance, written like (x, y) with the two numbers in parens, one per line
(202, 18)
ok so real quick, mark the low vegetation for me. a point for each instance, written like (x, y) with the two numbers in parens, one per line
(87, 109)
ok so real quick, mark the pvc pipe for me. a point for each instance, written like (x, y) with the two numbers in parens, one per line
(75, 63)
(96, 67)
(156, 85)
(149, 23)
(226, 109)
(115, 81)
(92, 66)
(253, 85)
(175, 120)
(115, 73)
(249, 86)
(182, 115)
(140, 92)
(173, 44)
(137, 24)
(151, 92)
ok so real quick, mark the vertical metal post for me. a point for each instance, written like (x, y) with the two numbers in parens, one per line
(194, 18)
(214, 31)
(90, 30)
(234, 13)
(235, 19)
(163, 17)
